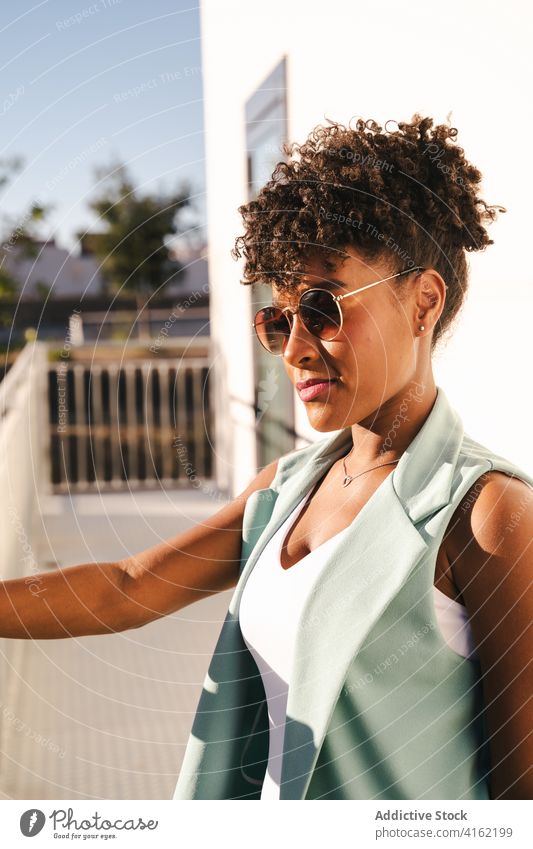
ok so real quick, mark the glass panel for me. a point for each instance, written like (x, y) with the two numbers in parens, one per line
(266, 130)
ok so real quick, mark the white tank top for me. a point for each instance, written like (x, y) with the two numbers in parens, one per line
(269, 612)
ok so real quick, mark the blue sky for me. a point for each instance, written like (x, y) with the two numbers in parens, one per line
(87, 84)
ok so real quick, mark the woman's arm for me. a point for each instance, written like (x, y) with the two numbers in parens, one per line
(102, 598)
(492, 560)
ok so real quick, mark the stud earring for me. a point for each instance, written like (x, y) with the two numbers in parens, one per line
(421, 327)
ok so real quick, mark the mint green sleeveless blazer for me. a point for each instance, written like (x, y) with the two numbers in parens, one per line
(379, 706)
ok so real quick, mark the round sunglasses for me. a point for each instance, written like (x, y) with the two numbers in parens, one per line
(319, 310)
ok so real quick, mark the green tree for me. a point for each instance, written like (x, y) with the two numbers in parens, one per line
(8, 290)
(8, 167)
(134, 248)
(17, 239)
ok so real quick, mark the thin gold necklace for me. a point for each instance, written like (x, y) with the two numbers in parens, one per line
(349, 478)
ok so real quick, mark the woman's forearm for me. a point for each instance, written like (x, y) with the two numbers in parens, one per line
(102, 598)
(73, 602)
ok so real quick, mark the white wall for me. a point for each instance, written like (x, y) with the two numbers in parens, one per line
(386, 61)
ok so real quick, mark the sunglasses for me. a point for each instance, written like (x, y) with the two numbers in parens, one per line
(319, 311)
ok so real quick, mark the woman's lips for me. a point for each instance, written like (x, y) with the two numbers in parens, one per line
(307, 393)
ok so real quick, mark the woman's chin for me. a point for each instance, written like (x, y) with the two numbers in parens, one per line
(325, 418)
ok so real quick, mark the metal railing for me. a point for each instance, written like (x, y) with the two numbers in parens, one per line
(134, 423)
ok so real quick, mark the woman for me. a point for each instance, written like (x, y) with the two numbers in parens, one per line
(376, 645)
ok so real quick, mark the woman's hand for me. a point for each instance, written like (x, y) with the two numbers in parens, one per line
(492, 561)
(102, 598)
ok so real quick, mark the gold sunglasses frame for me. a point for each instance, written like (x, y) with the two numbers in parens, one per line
(336, 298)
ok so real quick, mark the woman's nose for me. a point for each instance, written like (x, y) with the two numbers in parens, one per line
(300, 341)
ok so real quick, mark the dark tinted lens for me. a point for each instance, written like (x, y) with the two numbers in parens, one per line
(272, 328)
(320, 314)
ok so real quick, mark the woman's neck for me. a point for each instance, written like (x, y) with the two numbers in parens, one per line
(387, 432)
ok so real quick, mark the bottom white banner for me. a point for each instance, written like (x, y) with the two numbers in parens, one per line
(223, 823)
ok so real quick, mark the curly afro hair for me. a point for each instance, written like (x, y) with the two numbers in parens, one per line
(407, 197)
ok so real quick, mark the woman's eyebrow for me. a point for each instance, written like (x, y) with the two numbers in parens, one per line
(330, 283)
(333, 283)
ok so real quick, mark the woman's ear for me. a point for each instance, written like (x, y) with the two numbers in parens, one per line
(430, 296)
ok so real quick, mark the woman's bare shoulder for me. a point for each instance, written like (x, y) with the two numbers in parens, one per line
(496, 512)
